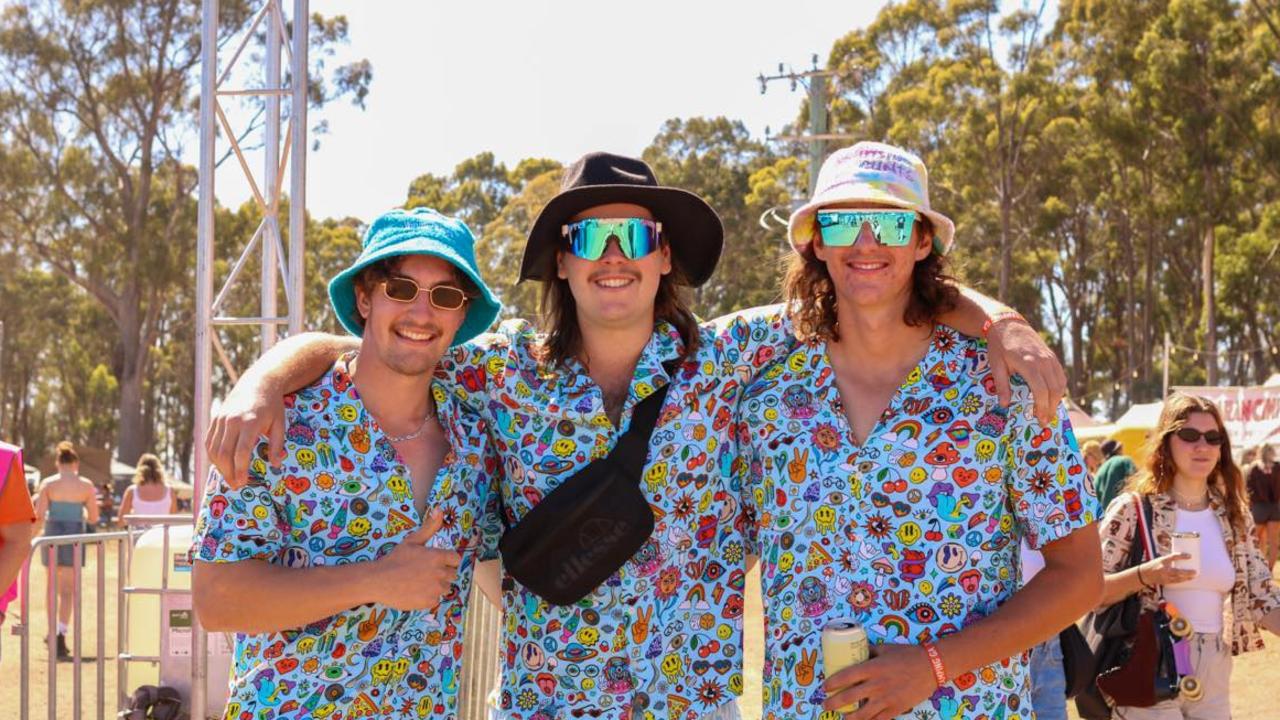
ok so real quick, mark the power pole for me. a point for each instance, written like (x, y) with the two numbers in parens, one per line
(814, 81)
(1167, 346)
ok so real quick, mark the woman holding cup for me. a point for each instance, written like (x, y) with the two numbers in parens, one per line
(1194, 489)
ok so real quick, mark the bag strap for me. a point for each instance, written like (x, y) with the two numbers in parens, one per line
(1142, 504)
(632, 447)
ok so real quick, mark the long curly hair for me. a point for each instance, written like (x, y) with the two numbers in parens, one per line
(810, 294)
(1157, 476)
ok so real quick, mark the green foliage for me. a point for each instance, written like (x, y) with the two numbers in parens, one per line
(95, 100)
(1113, 175)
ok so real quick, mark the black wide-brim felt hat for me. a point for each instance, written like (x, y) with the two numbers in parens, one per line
(691, 228)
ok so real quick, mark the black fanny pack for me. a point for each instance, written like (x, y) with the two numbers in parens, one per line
(588, 527)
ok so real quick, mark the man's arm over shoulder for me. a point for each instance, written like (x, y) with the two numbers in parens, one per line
(254, 408)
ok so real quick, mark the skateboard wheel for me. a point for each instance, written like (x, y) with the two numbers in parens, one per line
(1180, 627)
(1190, 688)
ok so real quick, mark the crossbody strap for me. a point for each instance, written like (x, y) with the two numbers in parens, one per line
(1143, 505)
(633, 446)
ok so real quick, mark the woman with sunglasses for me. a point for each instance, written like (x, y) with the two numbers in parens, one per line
(1194, 486)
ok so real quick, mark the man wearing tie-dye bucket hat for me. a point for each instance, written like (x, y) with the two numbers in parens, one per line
(886, 484)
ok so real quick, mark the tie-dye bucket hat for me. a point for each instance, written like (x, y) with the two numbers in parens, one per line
(871, 172)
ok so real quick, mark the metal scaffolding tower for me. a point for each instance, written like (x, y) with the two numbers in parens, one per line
(281, 150)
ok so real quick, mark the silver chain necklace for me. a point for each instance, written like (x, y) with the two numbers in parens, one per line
(1191, 505)
(431, 415)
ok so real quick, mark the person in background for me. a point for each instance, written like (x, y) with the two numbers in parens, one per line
(106, 506)
(1113, 474)
(1248, 456)
(1264, 502)
(1193, 485)
(17, 519)
(63, 505)
(150, 493)
(1092, 452)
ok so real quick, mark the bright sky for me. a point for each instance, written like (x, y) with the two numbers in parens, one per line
(547, 78)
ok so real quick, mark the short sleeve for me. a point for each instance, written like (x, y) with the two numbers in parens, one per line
(474, 370)
(15, 501)
(1264, 593)
(489, 524)
(1117, 531)
(1050, 491)
(744, 483)
(746, 342)
(244, 524)
(467, 492)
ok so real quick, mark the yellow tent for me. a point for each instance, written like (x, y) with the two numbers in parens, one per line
(1131, 430)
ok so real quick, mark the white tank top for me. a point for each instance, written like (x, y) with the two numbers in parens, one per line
(1201, 599)
(151, 507)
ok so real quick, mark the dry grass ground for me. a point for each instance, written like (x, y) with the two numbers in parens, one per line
(1253, 684)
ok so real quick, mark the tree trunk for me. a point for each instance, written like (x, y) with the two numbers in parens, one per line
(1148, 302)
(1006, 246)
(1210, 308)
(1128, 333)
(131, 438)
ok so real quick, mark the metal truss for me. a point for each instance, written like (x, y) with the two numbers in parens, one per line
(284, 153)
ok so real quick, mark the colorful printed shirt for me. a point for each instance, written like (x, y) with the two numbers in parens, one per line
(915, 533)
(662, 637)
(344, 495)
(1254, 594)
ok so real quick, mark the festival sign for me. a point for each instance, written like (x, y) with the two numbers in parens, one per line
(1251, 414)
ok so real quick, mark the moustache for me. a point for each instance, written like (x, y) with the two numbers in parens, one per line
(613, 273)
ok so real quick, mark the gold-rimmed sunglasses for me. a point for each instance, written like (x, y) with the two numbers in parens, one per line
(442, 296)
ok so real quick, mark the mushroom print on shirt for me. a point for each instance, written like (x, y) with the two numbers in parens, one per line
(343, 495)
(915, 533)
(662, 637)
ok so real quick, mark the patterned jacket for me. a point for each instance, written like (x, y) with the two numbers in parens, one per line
(1254, 593)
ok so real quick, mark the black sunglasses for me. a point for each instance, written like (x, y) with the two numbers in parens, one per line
(1192, 435)
(443, 296)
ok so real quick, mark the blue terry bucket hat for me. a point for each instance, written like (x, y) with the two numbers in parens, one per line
(420, 231)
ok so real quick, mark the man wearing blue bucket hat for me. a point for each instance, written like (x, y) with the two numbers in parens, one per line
(660, 636)
(340, 566)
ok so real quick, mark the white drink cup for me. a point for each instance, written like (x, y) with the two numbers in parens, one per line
(1188, 543)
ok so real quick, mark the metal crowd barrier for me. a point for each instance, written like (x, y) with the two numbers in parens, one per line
(178, 668)
(49, 545)
(481, 633)
(480, 652)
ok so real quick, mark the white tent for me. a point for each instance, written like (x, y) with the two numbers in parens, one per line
(1141, 415)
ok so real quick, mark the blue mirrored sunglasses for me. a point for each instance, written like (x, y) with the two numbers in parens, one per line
(891, 228)
(589, 238)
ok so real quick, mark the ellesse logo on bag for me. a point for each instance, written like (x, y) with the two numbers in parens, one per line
(594, 537)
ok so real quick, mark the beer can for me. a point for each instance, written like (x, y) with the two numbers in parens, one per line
(1189, 543)
(844, 643)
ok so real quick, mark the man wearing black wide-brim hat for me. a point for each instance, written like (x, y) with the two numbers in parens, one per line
(661, 636)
